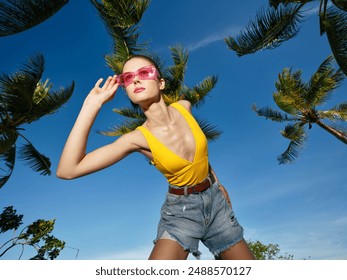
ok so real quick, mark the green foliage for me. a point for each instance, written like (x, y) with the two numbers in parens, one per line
(269, 30)
(19, 15)
(271, 114)
(121, 19)
(267, 251)
(337, 112)
(296, 134)
(342, 4)
(36, 235)
(334, 23)
(8, 159)
(9, 219)
(300, 100)
(281, 22)
(276, 3)
(37, 162)
(24, 98)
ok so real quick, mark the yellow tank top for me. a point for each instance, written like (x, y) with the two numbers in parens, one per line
(179, 171)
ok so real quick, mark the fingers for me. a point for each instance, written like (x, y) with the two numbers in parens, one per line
(107, 82)
(110, 82)
(113, 84)
(97, 84)
(106, 91)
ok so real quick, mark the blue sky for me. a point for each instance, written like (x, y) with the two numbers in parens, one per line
(113, 214)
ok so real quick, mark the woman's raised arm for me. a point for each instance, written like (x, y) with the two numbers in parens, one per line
(74, 162)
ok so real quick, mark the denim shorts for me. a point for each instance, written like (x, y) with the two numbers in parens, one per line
(205, 217)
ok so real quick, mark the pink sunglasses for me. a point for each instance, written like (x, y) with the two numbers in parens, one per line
(144, 73)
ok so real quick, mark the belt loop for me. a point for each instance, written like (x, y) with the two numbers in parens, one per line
(185, 190)
(209, 178)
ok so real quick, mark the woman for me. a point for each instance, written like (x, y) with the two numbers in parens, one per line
(195, 207)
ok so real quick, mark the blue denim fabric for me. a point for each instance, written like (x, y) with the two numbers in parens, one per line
(204, 216)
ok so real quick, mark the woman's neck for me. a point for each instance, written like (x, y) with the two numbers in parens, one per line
(158, 114)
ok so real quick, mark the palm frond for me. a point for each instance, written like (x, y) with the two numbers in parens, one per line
(341, 4)
(18, 89)
(16, 93)
(126, 42)
(197, 94)
(172, 97)
(8, 158)
(290, 92)
(335, 23)
(276, 3)
(323, 82)
(296, 134)
(272, 114)
(179, 55)
(19, 15)
(49, 103)
(34, 68)
(125, 45)
(174, 75)
(268, 31)
(126, 127)
(133, 113)
(8, 137)
(121, 13)
(337, 113)
(211, 132)
(121, 19)
(115, 62)
(36, 161)
(41, 91)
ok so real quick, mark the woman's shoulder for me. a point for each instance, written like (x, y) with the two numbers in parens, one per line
(134, 138)
(186, 104)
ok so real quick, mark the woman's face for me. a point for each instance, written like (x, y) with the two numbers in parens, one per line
(141, 89)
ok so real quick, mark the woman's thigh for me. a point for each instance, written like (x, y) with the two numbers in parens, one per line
(240, 251)
(167, 249)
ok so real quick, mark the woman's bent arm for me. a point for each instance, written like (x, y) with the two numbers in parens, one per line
(74, 162)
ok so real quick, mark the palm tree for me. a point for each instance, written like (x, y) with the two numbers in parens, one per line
(281, 22)
(122, 19)
(24, 98)
(299, 101)
(19, 15)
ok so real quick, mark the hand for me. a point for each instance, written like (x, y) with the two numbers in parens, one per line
(102, 94)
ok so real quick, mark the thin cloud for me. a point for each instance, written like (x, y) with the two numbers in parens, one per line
(212, 38)
(205, 42)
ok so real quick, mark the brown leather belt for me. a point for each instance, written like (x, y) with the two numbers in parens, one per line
(193, 189)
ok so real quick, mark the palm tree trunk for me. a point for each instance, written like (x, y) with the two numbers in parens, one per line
(338, 134)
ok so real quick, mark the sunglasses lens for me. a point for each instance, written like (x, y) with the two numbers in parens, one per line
(127, 78)
(145, 73)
